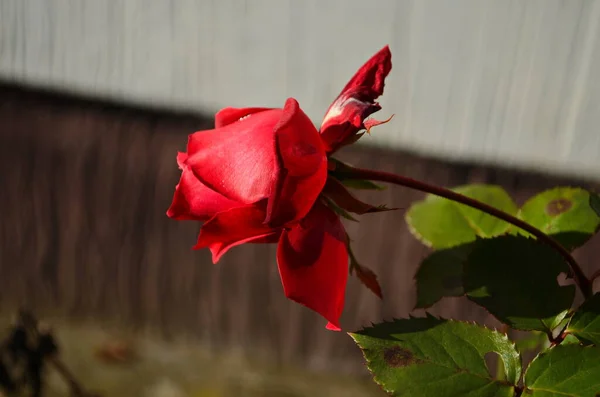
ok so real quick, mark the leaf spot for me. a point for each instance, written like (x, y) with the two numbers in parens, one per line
(398, 357)
(558, 206)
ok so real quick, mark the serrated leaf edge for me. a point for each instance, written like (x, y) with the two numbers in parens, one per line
(503, 336)
(411, 228)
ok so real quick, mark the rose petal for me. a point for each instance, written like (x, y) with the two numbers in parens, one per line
(268, 239)
(332, 327)
(228, 116)
(193, 200)
(356, 102)
(181, 160)
(234, 227)
(372, 74)
(239, 160)
(313, 263)
(305, 167)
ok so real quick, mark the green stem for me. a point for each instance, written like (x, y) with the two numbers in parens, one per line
(580, 278)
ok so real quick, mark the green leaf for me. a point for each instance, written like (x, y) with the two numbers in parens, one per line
(585, 323)
(569, 370)
(570, 339)
(515, 279)
(441, 223)
(440, 275)
(595, 203)
(487, 225)
(438, 223)
(435, 357)
(362, 184)
(563, 212)
(533, 341)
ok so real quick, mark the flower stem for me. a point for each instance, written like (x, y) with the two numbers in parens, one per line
(559, 338)
(580, 278)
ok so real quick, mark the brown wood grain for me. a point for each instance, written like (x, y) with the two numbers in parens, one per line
(83, 233)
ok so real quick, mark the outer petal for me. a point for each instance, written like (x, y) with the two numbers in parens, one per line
(304, 164)
(193, 200)
(346, 115)
(313, 263)
(234, 227)
(228, 116)
(240, 160)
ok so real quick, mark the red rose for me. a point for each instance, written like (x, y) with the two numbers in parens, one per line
(261, 176)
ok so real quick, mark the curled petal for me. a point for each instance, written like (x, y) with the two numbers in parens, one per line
(298, 141)
(304, 165)
(228, 116)
(239, 160)
(234, 227)
(356, 102)
(313, 263)
(193, 200)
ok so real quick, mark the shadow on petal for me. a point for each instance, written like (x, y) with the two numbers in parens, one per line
(313, 263)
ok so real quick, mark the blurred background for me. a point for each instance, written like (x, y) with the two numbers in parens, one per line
(97, 96)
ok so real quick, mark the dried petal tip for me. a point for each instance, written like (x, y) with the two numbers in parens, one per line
(370, 123)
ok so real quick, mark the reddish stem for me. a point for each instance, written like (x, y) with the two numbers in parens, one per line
(559, 338)
(580, 278)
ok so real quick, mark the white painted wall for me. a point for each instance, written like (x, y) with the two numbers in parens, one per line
(515, 82)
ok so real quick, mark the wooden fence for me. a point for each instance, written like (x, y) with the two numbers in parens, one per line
(85, 187)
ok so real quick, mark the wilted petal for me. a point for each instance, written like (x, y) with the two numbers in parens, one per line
(356, 102)
(234, 227)
(240, 160)
(304, 166)
(313, 263)
(193, 200)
